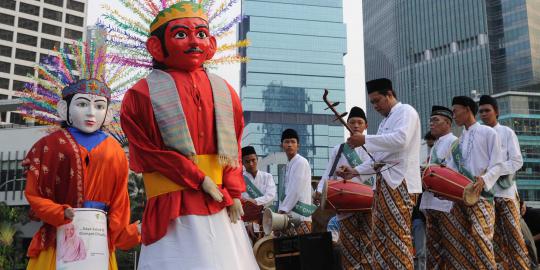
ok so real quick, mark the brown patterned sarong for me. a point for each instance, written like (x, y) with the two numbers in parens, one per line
(480, 224)
(392, 240)
(355, 241)
(447, 235)
(303, 228)
(508, 243)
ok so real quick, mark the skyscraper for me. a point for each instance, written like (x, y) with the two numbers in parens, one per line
(296, 51)
(29, 30)
(434, 50)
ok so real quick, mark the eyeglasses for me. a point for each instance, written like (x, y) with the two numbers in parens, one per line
(435, 120)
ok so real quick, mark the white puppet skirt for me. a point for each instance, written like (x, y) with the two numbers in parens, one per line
(200, 243)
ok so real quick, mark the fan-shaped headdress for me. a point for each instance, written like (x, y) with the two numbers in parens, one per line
(78, 68)
(128, 35)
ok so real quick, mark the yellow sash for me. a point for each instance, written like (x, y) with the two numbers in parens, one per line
(156, 184)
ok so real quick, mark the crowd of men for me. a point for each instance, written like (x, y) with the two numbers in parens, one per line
(447, 234)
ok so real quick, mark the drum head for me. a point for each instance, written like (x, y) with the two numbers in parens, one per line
(470, 198)
(324, 195)
(264, 253)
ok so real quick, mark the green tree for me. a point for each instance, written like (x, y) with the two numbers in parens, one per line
(12, 254)
(137, 199)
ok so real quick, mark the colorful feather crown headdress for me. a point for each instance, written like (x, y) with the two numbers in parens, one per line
(127, 36)
(77, 68)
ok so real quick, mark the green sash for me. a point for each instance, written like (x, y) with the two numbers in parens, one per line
(506, 181)
(458, 160)
(354, 160)
(434, 159)
(351, 156)
(251, 189)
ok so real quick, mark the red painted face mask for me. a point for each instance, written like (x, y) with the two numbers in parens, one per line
(188, 44)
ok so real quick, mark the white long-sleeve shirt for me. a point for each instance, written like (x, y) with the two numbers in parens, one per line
(442, 150)
(397, 141)
(266, 185)
(297, 185)
(511, 158)
(342, 161)
(481, 153)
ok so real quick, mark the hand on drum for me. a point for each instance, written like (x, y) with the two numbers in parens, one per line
(479, 185)
(346, 172)
(250, 200)
(235, 210)
(317, 198)
(212, 189)
(356, 140)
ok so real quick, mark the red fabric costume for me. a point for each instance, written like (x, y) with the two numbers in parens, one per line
(149, 154)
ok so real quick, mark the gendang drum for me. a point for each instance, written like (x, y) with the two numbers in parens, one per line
(449, 184)
(346, 196)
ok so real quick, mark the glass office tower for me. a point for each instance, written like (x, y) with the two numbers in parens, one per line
(296, 51)
(434, 50)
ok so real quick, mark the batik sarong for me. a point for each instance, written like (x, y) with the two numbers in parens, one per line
(392, 240)
(303, 228)
(355, 241)
(508, 243)
(480, 223)
(447, 240)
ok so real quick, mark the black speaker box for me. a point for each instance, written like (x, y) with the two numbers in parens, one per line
(304, 252)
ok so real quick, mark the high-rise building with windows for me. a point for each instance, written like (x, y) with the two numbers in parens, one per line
(434, 50)
(29, 30)
(521, 112)
(296, 51)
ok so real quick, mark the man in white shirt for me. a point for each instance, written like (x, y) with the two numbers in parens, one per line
(508, 242)
(296, 199)
(354, 229)
(260, 188)
(396, 149)
(476, 155)
(443, 233)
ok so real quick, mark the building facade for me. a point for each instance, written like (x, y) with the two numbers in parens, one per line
(521, 112)
(434, 50)
(29, 30)
(296, 51)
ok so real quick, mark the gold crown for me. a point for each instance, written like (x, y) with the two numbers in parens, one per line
(179, 10)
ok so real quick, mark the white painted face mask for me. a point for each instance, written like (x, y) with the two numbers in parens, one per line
(86, 112)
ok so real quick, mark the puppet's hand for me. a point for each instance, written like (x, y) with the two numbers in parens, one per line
(235, 210)
(212, 189)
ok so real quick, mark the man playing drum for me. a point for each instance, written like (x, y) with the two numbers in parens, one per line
(354, 228)
(260, 188)
(443, 240)
(476, 155)
(396, 149)
(508, 243)
(296, 196)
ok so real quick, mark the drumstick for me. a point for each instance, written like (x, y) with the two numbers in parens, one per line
(340, 116)
(359, 174)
